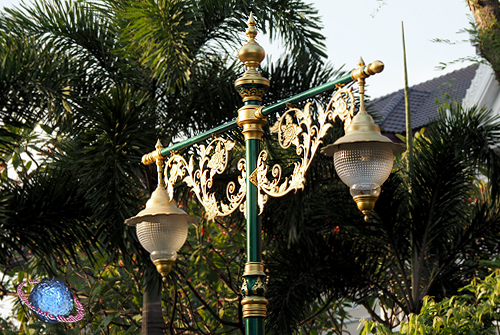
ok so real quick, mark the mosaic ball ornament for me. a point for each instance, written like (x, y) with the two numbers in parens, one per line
(51, 301)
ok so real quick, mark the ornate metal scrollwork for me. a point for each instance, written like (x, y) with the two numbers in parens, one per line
(213, 160)
(295, 127)
(244, 288)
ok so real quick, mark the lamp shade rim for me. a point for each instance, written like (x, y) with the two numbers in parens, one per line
(159, 204)
(150, 217)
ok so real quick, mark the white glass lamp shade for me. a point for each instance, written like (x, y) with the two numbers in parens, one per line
(364, 166)
(363, 158)
(164, 237)
(162, 229)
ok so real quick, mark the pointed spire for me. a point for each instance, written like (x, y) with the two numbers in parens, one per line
(251, 30)
(361, 62)
(251, 54)
(158, 145)
(251, 85)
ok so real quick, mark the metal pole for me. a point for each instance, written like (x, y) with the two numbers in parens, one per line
(254, 277)
(252, 87)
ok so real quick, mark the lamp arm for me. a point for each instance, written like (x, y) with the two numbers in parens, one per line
(212, 160)
(295, 127)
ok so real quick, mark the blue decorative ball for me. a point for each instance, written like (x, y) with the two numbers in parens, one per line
(51, 296)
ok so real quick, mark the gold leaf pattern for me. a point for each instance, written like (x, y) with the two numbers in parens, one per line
(213, 160)
(306, 137)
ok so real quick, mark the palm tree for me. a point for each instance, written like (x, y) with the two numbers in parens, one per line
(433, 225)
(117, 81)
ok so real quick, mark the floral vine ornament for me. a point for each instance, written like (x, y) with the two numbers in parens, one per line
(213, 160)
(306, 138)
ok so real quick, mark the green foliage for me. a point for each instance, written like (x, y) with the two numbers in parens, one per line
(475, 311)
(102, 97)
(173, 38)
(110, 293)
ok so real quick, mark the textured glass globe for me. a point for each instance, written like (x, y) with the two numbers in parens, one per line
(365, 189)
(164, 237)
(364, 163)
(51, 296)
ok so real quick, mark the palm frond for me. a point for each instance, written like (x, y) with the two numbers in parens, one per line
(45, 215)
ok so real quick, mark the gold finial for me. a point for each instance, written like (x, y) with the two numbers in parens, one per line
(159, 162)
(251, 30)
(251, 85)
(361, 73)
(364, 71)
(153, 156)
(361, 84)
(251, 53)
(163, 266)
(361, 62)
(158, 145)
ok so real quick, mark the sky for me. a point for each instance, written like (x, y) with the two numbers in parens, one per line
(364, 28)
(372, 29)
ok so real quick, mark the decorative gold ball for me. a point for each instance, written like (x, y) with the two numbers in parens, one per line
(251, 52)
(375, 67)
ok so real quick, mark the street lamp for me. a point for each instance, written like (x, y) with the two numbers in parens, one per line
(161, 227)
(363, 159)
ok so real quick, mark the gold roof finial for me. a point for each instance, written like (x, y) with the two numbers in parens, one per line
(251, 85)
(251, 30)
(251, 54)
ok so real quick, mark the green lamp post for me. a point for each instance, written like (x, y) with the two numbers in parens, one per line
(363, 159)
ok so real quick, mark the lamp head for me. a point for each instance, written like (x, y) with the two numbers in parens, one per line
(162, 229)
(363, 159)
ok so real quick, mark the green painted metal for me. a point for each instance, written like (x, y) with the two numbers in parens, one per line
(198, 138)
(265, 111)
(254, 326)
(307, 94)
(254, 248)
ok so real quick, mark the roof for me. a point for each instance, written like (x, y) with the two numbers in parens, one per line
(389, 110)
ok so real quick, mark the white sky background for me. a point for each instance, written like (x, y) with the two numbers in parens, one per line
(355, 28)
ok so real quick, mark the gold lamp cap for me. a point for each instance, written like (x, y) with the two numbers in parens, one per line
(365, 204)
(251, 54)
(362, 129)
(159, 204)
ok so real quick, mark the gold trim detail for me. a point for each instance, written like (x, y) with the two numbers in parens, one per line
(259, 285)
(244, 287)
(252, 126)
(252, 93)
(213, 159)
(253, 178)
(254, 306)
(164, 266)
(254, 269)
(295, 127)
(259, 115)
